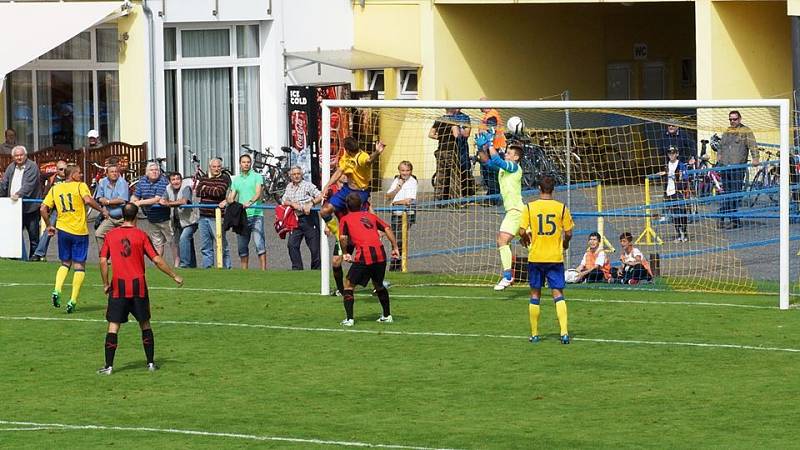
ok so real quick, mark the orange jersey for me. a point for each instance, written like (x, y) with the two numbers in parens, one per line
(499, 130)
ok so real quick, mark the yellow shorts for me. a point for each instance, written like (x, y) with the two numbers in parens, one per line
(511, 221)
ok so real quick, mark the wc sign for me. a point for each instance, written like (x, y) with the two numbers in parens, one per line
(639, 51)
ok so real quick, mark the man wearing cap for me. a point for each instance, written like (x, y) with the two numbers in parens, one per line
(94, 139)
(683, 140)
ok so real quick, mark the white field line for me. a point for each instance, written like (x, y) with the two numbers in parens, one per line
(251, 437)
(435, 296)
(415, 333)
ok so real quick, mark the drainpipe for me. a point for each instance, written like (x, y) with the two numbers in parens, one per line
(151, 75)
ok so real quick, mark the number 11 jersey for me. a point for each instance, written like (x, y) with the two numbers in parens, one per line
(547, 220)
(67, 199)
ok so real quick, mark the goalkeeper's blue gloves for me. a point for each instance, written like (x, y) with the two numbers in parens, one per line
(483, 139)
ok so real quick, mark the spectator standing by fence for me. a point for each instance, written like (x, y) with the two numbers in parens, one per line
(212, 190)
(149, 192)
(44, 238)
(246, 189)
(10, 142)
(112, 192)
(403, 194)
(737, 141)
(302, 195)
(183, 220)
(22, 181)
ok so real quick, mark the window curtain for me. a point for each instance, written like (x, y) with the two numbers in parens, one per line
(107, 45)
(20, 106)
(206, 106)
(249, 113)
(79, 47)
(247, 41)
(200, 43)
(82, 107)
(169, 109)
(44, 94)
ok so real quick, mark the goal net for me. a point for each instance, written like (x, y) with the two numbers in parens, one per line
(711, 223)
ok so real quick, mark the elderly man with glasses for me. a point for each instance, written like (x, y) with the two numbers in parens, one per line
(301, 195)
(152, 187)
(112, 192)
(22, 181)
(737, 141)
(44, 239)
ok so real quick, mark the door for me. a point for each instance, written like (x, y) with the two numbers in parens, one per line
(618, 81)
(653, 81)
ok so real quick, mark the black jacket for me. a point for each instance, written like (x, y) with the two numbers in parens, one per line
(236, 218)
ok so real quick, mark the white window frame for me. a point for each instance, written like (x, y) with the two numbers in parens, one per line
(231, 62)
(371, 79)
(83, 65)
(404, 77)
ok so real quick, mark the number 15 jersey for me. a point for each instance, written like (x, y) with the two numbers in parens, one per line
(547, 220)
(67, 199)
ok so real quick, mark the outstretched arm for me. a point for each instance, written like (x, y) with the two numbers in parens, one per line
(162, 266)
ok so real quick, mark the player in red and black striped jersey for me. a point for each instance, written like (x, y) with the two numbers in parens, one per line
(361, 230)
(127, 291)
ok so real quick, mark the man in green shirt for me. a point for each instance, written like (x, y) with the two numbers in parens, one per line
(246, 189)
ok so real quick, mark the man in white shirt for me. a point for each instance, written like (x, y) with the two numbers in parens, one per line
(403, 193)
(22, 181)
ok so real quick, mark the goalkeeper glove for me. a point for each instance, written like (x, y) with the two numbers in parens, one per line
(484, 139)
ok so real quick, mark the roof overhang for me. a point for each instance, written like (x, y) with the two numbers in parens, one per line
(31, 29)
(351, 59)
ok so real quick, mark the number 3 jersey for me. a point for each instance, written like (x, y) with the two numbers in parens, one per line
(547, 220)
(127, 246)
(67, 199)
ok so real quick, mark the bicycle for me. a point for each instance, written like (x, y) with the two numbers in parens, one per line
(767, 177)
(273, 170)
(535, 163)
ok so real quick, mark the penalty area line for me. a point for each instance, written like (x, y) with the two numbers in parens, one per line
(434, 296)
(250, 437)
(418, 333)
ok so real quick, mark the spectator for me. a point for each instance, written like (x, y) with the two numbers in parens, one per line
(22, 181)
(301, 195)
(212, 190)
(737, 141)
(10, 142)
(246, 189)
(675, 171)
(447, 178)
(184, 220)
(595, 267)
(44, 238)
(403, 193)
(150, 189)
(635, 267)
(468, 184)
(683, 140)
(112, 192)
(93, 139)
(491, 121)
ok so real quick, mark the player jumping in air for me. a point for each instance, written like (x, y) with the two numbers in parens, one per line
(127, 291)
(546, 227)
(509, 178)
(360, 229)
(69, 200)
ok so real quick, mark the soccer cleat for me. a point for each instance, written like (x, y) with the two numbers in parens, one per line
(565, 339)
(347, 322)
(503, 283)
(105, 371)
(70, 307)
(151, 367)
(534, 339)
(633, 282)
(387, 319)
(335, 293)
(56, 297)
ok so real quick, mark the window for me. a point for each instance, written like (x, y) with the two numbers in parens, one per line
(408, 84)
(375, 82)
(56, 99)
(212, 93)
(205, 43)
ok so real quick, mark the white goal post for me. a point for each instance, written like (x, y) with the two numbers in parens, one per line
(783, 106)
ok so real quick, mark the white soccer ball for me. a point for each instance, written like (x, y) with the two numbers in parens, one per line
(515, 125)
(571, 276)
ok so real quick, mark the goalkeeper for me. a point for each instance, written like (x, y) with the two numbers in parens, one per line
(509, 177)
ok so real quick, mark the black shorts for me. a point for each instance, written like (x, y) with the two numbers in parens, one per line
(362, 273)
(119, 308)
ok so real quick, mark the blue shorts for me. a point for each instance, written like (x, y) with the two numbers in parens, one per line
(553, 272)
(339, 200)
(72, 247)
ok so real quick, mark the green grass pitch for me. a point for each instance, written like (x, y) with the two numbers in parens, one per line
(259, 360)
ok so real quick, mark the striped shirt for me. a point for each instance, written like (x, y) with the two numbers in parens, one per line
(147, 189)
(361, 228)
(212, 190)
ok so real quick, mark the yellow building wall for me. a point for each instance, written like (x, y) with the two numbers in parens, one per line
(134, 116)
(3, 110)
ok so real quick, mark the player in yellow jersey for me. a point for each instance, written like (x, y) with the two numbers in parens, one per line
(546, 227)
(69, 200)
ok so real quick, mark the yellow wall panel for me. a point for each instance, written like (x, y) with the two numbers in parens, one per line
(133, 78)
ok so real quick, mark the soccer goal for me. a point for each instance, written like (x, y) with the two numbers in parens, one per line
(721, 225)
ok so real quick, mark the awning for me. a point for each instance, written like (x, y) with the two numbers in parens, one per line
(352, 59)
(31, 29)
